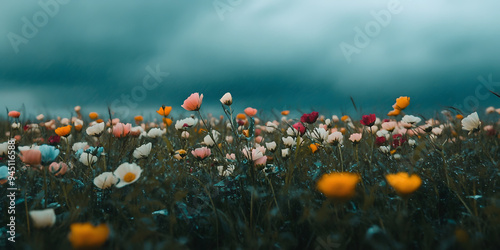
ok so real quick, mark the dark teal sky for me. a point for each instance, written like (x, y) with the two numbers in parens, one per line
(268, 54)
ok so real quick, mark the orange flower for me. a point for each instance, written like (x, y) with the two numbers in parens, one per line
(164, 110)
(459, 116)
(344, 118)
(99, 120)
(404, 183)
(167, 121)
(86, 235)
(250, 111)
(402, 102)
(93, 115)
(343, 130)
(394, 112)
(338, 185)
(63, 131)
(246, 133)
(314, 147)
(138, 118)
(285, 112)
(14, 114)
(193, 102)
(241, 116)
(78, 127)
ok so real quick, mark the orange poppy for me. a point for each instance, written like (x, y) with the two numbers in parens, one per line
(344, 118)
(394, 112)
(86, 235)
(459, 116)
(402, 102)
(167, 121)
(164, 110)
(63, 131)
(241, 116)
(403, 183)
(338, 185)
(285, 112)
(314, 147)
(138, 118)
(93, 115)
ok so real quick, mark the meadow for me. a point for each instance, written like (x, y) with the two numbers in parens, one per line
(240, 181)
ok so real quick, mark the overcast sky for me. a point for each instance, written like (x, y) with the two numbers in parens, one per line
(279, 54)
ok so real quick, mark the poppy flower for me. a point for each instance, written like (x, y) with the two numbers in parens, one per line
(339, 186)
(155, 132)
(86, 235)
(14, 114)
(121, 130)
(345, 118)
(54, 139)
(285, 112)
(201, 153)
(471, 123)
(63, 131)
(128, 173)
(380, 140)
(313, 147)
(398, 140)
(401, 103)
(164, 110)
(93, 115)
(410, 119)
(142, 151)
(96, 129)
(403, 183)
(167, 121)
(227, 99)
(368, 120)
(43, 218)
(355, 138)
(299, 127)
(193, 102)
(335, 138)
(31, 157)
(49, 153)
(58, 168)
(250, 111)
(180, 154)
(394, 112)
(138, 118)
(309, 118)
(105, 180)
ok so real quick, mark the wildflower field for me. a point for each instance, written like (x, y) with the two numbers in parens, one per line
(397, 180)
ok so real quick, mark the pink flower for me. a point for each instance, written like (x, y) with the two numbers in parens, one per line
(356, 137)
(121, 130)
(193, 102)
(261, 161)
(14, 114)
(31, 157)
(250, 111)
(201, 153)
(299, 127)
(231, 156)
(58, 168)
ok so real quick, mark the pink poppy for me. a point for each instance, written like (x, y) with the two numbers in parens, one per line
(14, 114)
(31, 157)
(193, 102)
(356, 137)
(121, 130)
(261, 161)
(58, 168)
(201, 153)
(299, 127)
(309, 118)
(250, 111)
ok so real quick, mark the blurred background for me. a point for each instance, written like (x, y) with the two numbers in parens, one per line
(134, 56)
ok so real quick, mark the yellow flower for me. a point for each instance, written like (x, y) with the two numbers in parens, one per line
(402, 102)
(338, 185)
(93, 115)
(86, 235)
(63, 131)
(164, 110)
(403, 183)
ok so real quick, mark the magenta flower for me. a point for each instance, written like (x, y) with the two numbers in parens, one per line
(368, 120)
(193, 102)
(201, 153)
(309, 118)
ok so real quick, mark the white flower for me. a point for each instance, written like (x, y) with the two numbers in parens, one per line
(40, 117)
(335, 137)
(43, 218)
(384, 149)
(229, 170)
(396, 156)
(16, 125)
(155, 132)
(335, 118)
(411, 142)
(471, 123)
(127, 173)
(229, 139)
(292, 132)
(410, 119)
(78, 122)
(270, 127)
(185, 134)
(142, 151)
(437, 130)
(288, 141)
(490, 110)
(208, 140)
(271, 146)
(185, 123)
(319, 134)
(383, 133)
(4, 148)
(79, 145)
(227, 99)
(328, 121)
(88, 159)
(96, 130)
(105, 180)
(65, 121)
(285, 152)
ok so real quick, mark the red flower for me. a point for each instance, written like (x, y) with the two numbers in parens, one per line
(299, 127)
(380, 141)
(398, 140)
(309, 118)
(54, 139)
(368, 120)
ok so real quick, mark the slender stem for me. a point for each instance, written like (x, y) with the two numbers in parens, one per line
(341, 158)
(45, 187)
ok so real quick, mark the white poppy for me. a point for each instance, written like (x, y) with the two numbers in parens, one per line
(410, 119)
(285, 152)
(155, 132)
(79, 145)
(227, 99)
(142, 151)
(87, 159)
(185, 123)
(471, 123)
(384, 149)
(43, 218)
(127, 173)
(271, 146)
(96, 130)
(288, 141)
(105, 180)
(229, 170)
(208, 139)
(319, 134)
(271, 127)
(335, 137)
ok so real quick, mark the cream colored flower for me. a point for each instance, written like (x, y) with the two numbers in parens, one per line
(96, 130)
(43, 218)
(471, 123)
(142, 151)
(87, 159)
(127, 173)
(105, 180)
